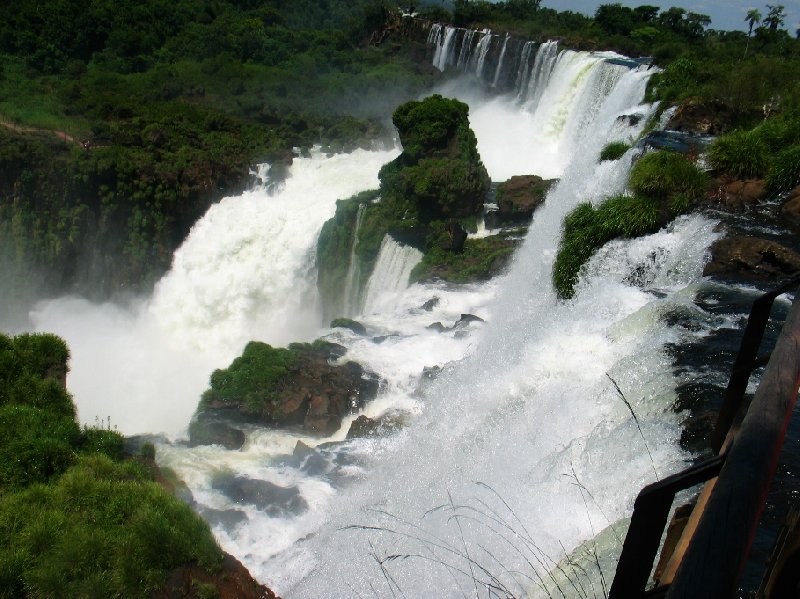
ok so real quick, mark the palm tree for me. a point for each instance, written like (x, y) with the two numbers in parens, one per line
(753, 17)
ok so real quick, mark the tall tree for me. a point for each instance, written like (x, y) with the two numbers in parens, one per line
(753, 18)
(775, 17)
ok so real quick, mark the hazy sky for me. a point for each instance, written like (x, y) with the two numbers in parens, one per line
(725, 14)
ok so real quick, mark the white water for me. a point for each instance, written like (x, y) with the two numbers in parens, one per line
(245, 272)
(390, 276)
(522, 404)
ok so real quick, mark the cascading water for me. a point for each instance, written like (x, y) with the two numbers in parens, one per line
(516, 453)
(499, 68)
(482, 52)
(352, 283)
(390, 275)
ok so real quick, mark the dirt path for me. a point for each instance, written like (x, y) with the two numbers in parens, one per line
(62, 135)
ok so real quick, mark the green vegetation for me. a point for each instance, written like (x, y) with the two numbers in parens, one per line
(663, 183)
(614, 150)
(147, 112)
(252, 378)
(481, 259)
(437, 179)
(770, 150)
(76, 520)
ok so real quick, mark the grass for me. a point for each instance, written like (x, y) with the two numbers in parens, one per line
(614, 151)
(742, 154)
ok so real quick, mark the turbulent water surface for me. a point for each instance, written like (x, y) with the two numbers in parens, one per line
(518, 451)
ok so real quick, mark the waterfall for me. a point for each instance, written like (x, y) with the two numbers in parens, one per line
(390, 275)
(498, 443)
(499, 68)
(352, 282)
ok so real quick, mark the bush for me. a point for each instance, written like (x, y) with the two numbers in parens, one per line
(784, 172)
(741, 154)
(664, 174)
(102, 441)
(586, 229)
(614, 151)
(101, 530)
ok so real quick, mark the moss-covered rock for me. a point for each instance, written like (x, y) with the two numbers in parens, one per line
(480, 259)
(437, 180)
(520, 196)
(293, 386)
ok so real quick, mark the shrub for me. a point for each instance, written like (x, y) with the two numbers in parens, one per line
(741, 154)
(586, 229)
(784, 172)
(101, 530)
(614, 151)
(102, 441)
(661, 175)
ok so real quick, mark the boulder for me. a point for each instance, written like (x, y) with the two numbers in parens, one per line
(737, 195)
(704, 117)
(268, 497)
(363, 426)
(791, 208)
(213, 428)
(430, 304)
(520, 196)
(346, 323)
(751, 258)
(296, 386)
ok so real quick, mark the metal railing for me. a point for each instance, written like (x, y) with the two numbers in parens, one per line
(745, 465)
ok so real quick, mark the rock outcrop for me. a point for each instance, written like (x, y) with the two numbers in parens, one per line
(520, 196)
(751, 258)
(298, 386)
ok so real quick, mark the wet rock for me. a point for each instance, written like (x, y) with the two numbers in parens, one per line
(705, 117)
(737, 195)
(519, 197)
(231, 581)
(212, 428)
(468, 318)
(438, 327)
(364, 426)
(791, 208)
(381, 338)
(226, 519)
(353, 325)
(430, 304)
(751, 258)
(274, 500)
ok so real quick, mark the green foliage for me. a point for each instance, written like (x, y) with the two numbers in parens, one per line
(428, 125)
(784, 172)
(662, 175)
(586, 229)
(481, 259)
(252, 378)
(102, 441)
(100, 530)
(614, 150)
(742, 154)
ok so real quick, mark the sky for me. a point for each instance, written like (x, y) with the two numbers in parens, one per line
(725, 14)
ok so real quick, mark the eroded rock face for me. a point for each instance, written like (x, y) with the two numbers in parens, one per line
(746, 257)
(702, 117)
(520, 196)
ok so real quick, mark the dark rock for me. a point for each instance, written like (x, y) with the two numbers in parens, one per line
(364, 426)
(301, 450)
(467, 318)
(631, 120)
(212, 428)
(227, 519)
(520, 196)
(791, 208)
(736, 195)
(492, 219)
(430, 304)
(431, 372)
(438, 327)
(706, 117)
(353, 325)
(231, 581)
(381, 338)
(751, 258)
(273, 499)
(456, 236)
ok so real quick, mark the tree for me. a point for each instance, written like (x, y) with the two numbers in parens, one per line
(646, 13)
(775, 17)
(615, 18)
(753, 17)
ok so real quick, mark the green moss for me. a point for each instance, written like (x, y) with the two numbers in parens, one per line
(614, 151)
(480, 260)
(251, 378)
